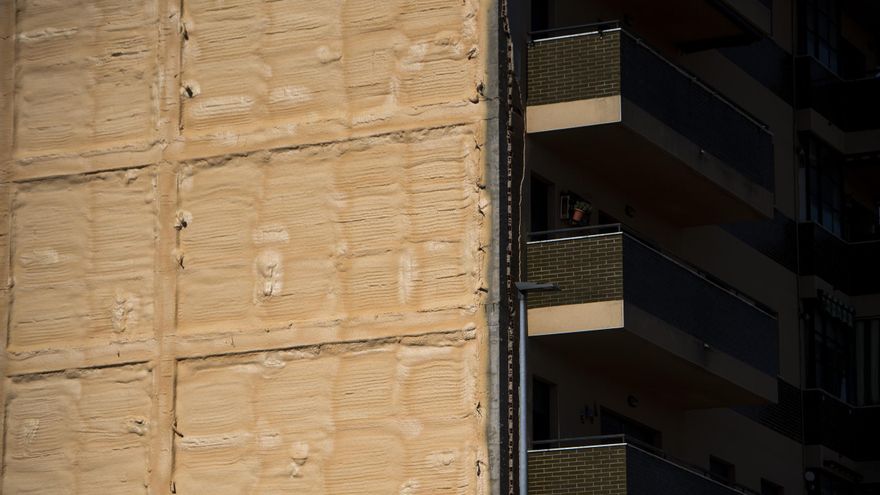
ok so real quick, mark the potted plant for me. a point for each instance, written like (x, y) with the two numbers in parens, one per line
(581, 209)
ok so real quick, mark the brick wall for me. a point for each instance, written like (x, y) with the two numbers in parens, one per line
(577, 68)
(587, 270)
(597, 470)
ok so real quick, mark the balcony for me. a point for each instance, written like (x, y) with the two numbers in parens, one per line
(849, 266)
(616, 465)
(849, 430)
(632, 312)
(852, 105)
(688, 25)
(606, 100)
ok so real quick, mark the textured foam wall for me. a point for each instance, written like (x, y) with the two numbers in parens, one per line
(83, 260)
(383, 233)
(335, 419)
(86, 75)
(242, 246)
(82, 431)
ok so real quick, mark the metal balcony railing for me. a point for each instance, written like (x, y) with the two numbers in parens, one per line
(608, 262)
(849, 430)
(850, 266)
(582, 62)
(851, 103)
(648, 470)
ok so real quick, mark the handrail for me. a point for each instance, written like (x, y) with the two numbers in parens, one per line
(619, 437)
(696, 80)
(690, 467)
(581, 28)
(838, 237)
(834, 77)
(842, 402)
(622, 439)
(611, 228)
(717, 282)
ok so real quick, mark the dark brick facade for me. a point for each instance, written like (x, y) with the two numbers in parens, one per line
(587, 270)
(597, 470)
(575, 68)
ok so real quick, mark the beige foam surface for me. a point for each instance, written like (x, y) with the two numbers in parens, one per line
(86, 75)
(341, 419)
(202, 186)
(388, 225)
(82, 260)
(79, 432)
(290, 69)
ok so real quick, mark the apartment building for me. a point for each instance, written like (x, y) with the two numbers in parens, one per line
(718, 325)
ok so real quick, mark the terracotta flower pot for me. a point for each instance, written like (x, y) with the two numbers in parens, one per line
(577, 215)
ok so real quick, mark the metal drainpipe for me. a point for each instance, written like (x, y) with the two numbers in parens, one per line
(522, 288)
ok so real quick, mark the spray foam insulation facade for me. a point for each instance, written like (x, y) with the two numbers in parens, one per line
(245, 246)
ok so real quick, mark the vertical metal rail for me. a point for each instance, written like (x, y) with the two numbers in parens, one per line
(523, 288)
(523, 395)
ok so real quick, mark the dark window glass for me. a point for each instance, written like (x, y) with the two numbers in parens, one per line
(830, 347)
(770, 488)
(868, 361)
(824, 189)
(617, 424)
(541, 15)
(543, 410)
(820, 31)
(539, 211)
(606, 219)
(722, 470)
(832, 485)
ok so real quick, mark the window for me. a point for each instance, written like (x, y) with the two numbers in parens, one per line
(542, 14)
(722, 470)
(770, 488)
(860, 221)
(821, 184)
(618, 424)
(539, 210)
(543, 411)
(820, 33)
(830, 350)
(832, 485)
(868, 361)
(606, 218)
